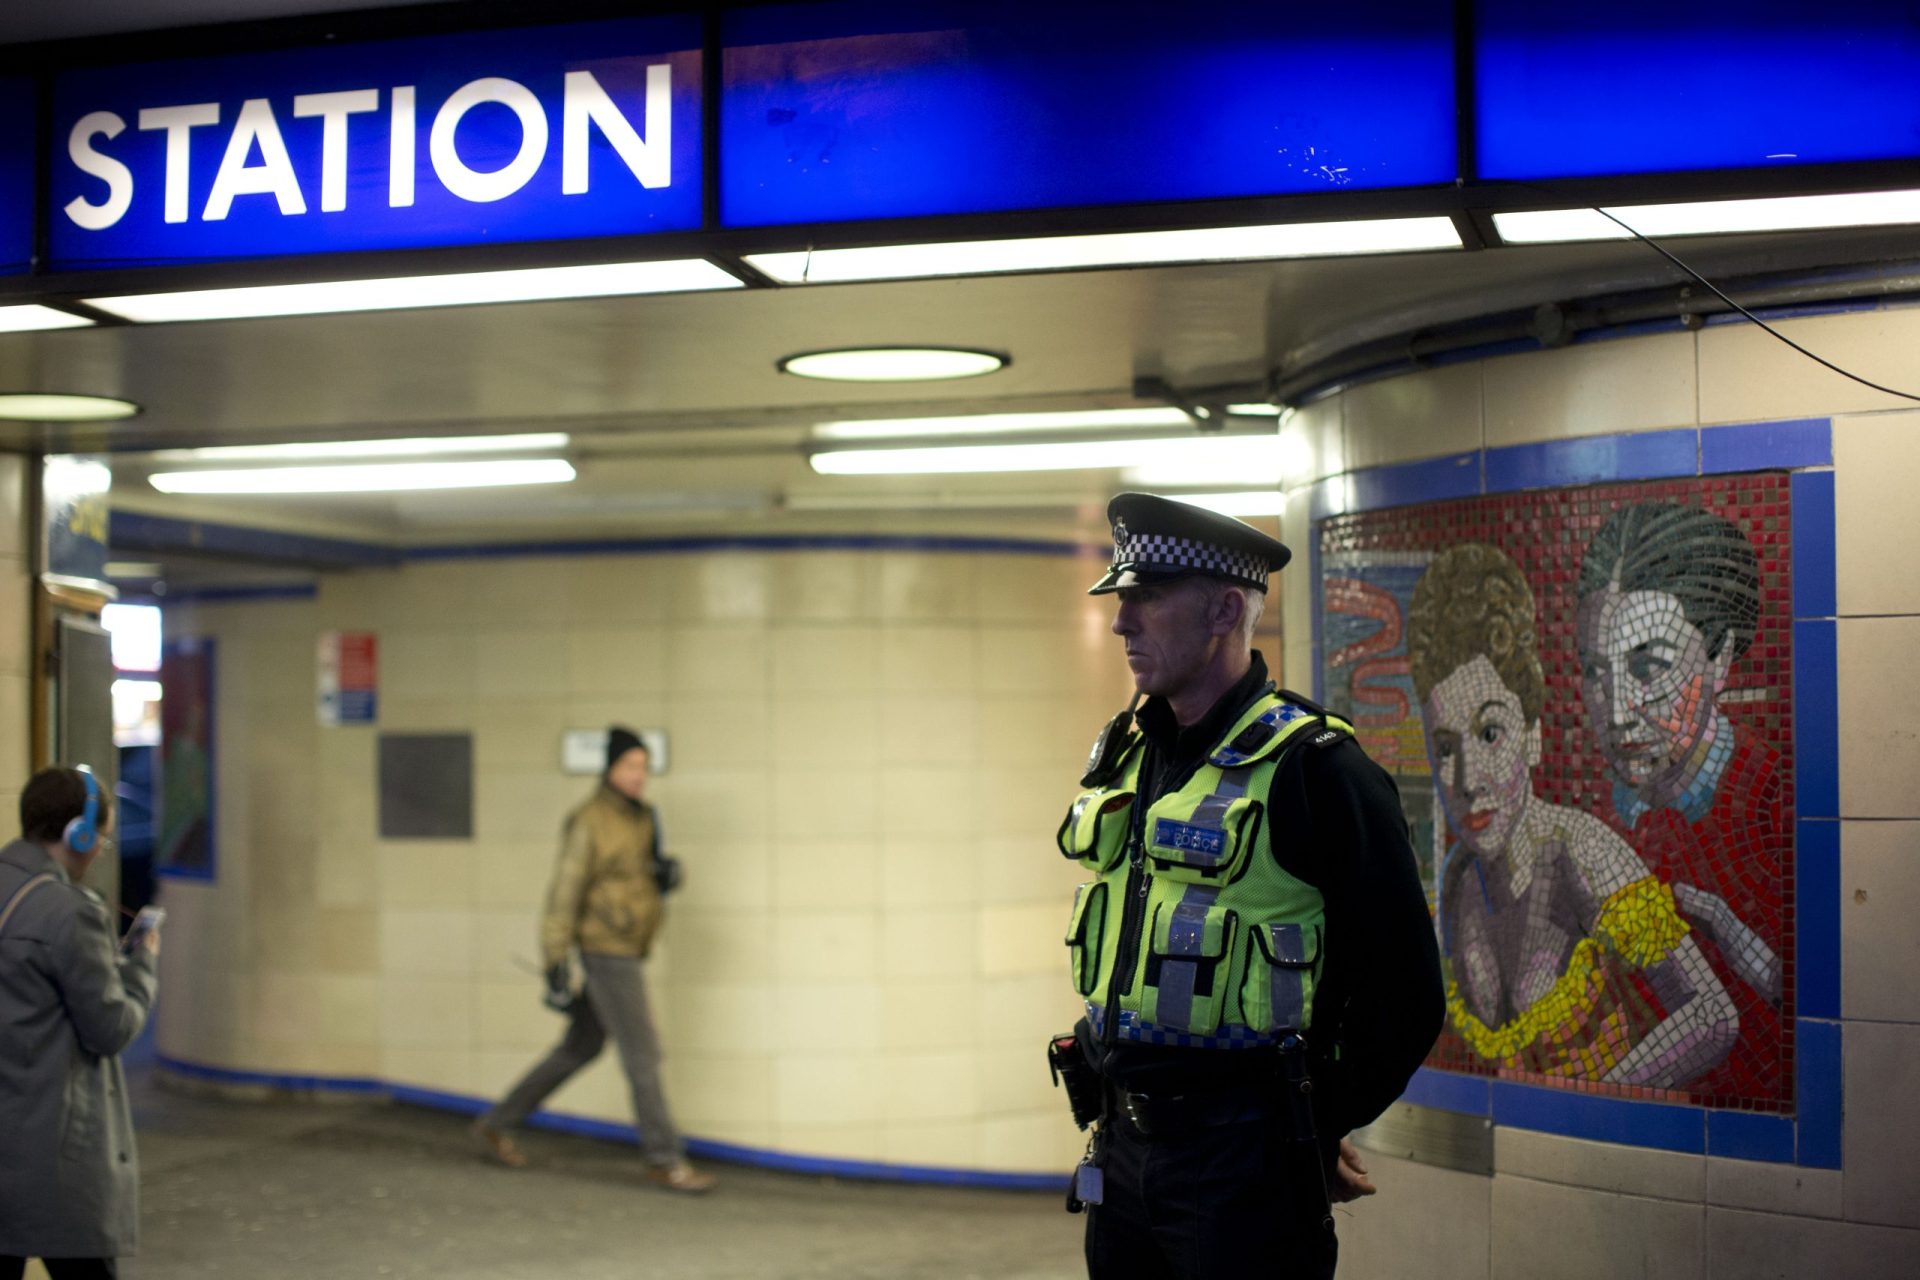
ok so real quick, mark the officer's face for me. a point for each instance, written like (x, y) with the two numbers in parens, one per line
(1649, 686)
(628, 775)
(1166, 629)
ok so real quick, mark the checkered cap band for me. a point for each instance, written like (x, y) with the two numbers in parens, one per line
(1152, 551)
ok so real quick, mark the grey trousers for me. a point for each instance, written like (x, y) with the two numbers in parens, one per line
(616, 1001)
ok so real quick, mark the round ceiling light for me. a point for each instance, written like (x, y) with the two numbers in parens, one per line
(39, 406)
(894, 364)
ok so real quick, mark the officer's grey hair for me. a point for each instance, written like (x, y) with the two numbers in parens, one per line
(1250, 616)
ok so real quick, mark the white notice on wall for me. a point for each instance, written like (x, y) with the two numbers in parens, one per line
(584, 751)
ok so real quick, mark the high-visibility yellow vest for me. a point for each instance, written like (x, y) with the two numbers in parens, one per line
(1190, 929)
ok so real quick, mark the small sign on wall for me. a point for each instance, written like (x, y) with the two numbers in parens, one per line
(584, 751)
(349, 678)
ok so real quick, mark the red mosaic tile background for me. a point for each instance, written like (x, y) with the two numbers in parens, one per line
(1740, 853)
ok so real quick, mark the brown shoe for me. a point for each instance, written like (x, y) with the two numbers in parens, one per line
(497, 1146)
(681, 1177)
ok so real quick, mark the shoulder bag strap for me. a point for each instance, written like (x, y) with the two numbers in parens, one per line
(20, 894)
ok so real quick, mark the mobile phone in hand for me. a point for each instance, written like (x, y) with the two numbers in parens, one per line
(149, 919)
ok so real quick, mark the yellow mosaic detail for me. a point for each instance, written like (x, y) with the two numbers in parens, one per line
(1638, 922)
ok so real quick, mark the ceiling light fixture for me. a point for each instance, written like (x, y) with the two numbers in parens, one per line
(1711, 217)
(409, 446)
(45, 406)
(395, 477)
(1000, 423)
(29, 317)
(1217, 460)
(469, 288)
(1120, 249)
(894, 364)
(1254, 410)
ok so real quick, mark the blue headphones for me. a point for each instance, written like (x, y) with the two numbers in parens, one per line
(84, 831)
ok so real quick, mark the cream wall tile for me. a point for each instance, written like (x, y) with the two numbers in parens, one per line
(1313, 442)
(1033, 590)
(842, 729)
(825, 586)
(1879, 699)
(1015, 1079)
(817, 803)
(422, 715)
(824, 659)
(1030, 1144)
(605, 590)
(346, 874)
(512, 874)
(503, 944)
(709, 1090)
(1025, 1010)
(13, 505)
(723, 587)
(706, 732)
(522, 664)
(1050, 732)
(1544, 1229)
(928, 661)
(15, 727)
(840, 1089)
(1022, 802)
(821, 1017)
(1417, 415)
(1875, 457)
(517, 735)
(625, 661)
(524, 808)
(348, 941)
(424, 874)
(1765, 1246)
(720, 1018)
(921, 943)
(929, 730)
(926, 802)
(16, 617)
(1882, 1134)
(931, 586)
(916, 1013)
(426, 664)
(1025, 660)
(1020, 940)
(717, 660)
(726, 875)
(428, 1067)
(432, 1013)
(509, 1015)
(928, 1086)
(826, 945)
(426, 943)
(1747, 376)
(1029, 869)
(946, 1144)
(1604, 1166)
(928, 872)
(833, 875)
(727, 945)
(1440, 1216)
(1597, 388)
(1879, 902)
(1774, 1188)
(831, 1141)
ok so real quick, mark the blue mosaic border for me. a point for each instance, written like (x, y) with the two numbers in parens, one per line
(1812, 1136)
(610, 1131)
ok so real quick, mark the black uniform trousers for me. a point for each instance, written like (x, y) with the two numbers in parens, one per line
(1226, 1202)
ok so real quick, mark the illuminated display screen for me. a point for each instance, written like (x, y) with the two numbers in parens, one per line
(972, 108)
(16, 175)
(1644, 87)
(545, 134)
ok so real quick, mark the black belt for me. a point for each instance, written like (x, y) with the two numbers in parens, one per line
(1163, 1115)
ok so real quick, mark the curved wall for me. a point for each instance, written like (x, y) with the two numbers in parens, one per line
(1576, 1186)
(869, 750)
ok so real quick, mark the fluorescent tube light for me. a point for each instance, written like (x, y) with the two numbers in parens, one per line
(43, 406)
(390, 477)
(468, 288)
(1254, 410)
(1000, 423)
(1252, 502)
(1712, 217)
(29, 317)
(893, 364)
(1127, 248)
(410, 446)
(1250, 459)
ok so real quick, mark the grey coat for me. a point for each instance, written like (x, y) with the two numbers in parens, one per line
(69, 1003)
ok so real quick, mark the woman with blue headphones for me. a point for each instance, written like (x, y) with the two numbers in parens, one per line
(71, 998)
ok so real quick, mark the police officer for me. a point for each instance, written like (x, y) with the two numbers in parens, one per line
(1254, 949)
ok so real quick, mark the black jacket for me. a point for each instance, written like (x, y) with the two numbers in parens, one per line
(1338, 826)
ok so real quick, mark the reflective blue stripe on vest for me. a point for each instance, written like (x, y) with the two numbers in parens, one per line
(1138, 1030)
(1186, 937)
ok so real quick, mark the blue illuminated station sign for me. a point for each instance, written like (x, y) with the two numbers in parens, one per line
(592, 129)
(17, 195)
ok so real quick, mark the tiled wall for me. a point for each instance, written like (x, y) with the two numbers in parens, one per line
(869, 753)
(1569, 1207)
(16, 622)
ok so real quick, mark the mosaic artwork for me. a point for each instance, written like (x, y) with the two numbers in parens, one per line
(1585, 697)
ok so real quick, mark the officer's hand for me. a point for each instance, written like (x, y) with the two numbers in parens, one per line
(559, 992)
(1350, 1175)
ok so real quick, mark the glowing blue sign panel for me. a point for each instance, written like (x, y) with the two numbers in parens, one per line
(546, 134)
(16, 176)
(854, 110)
(1643, 86)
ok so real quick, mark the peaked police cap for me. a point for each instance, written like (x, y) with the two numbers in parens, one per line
(1156, 539)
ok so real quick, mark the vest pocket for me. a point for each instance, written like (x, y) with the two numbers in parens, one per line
(1095, 829)
(1280, 976)
(1084, 933)
(1201, 844)
(1189, 963)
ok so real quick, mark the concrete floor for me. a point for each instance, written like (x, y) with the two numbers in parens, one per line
(324, 1190)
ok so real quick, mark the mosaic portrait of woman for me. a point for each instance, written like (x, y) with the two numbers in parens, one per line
(1567, 956)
